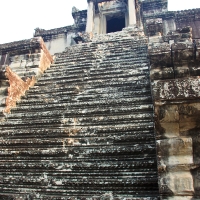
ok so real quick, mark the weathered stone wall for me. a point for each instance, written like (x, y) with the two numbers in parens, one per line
(151, 8)
(175, 89)
(156, 18)
(80, 18)
(27, 60)
(189, 18)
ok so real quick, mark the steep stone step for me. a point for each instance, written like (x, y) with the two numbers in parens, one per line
(86, 127)
(88, 110)
(127, 101)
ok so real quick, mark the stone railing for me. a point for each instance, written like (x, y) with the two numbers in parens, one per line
(28, 59)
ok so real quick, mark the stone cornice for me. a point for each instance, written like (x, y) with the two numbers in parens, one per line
(100, 1)
(22, 45)
(55, 31)
(193, 14)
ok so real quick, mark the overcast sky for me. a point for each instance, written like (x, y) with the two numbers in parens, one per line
(19, 18)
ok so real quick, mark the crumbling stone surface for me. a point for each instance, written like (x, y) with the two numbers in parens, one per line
(152, 10)
(153, 7)
(85, 130)
(17, 88)
(80, 18)
(154, 26)
(175, 89)
(27, 60)
(174, 56)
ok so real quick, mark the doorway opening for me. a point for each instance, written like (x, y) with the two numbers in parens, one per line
(115, 24)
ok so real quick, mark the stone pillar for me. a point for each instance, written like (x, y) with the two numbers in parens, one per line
(90, 17)
(132, 12)
(103, 24)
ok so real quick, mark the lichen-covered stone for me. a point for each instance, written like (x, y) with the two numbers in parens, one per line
(85, 130)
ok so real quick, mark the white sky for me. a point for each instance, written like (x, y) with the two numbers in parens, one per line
(19, 18)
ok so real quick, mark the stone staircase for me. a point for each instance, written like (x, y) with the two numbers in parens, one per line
(85, 130)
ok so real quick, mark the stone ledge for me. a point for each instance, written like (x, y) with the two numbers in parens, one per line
(173, 89)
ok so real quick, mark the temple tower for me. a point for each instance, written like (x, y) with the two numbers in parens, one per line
(110, 16)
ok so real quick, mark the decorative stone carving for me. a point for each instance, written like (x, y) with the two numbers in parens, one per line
(176, 100)
(154, 26)
(112, 6)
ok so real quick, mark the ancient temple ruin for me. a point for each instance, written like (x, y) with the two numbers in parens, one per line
(105, 109)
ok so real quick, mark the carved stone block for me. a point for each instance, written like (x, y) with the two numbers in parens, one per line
(176, 89)
(175, 151)
(159, 74)
(178, 183)
(154, 26)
